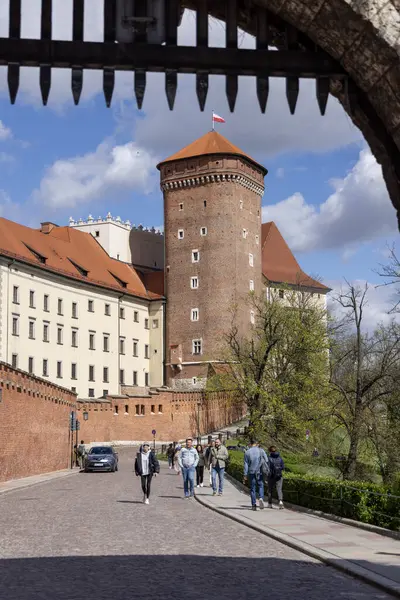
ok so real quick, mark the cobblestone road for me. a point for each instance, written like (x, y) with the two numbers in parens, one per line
(89, 537)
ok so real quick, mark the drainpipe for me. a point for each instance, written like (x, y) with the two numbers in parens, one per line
(164, 342)
(119, 335)
(7, 306)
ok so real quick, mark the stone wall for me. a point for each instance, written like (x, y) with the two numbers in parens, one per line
(173, 415)
(34, 425)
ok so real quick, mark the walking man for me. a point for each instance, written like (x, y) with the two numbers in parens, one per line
(81, 451)
(219, 458)
(275, 476)
(207, 458)
(146, 465)
(188, 459)
(255, 465)
(170, 455)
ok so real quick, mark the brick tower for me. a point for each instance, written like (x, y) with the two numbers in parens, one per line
(212, 219)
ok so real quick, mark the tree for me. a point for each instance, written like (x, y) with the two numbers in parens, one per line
(364, 371)
(279, 366)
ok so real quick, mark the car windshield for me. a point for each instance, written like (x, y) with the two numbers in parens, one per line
(101, 450)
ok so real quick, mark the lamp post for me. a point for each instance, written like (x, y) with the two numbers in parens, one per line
(198, 423)
(85, 416)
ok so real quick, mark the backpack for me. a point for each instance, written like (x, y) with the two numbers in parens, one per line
(265, 465)
(275, 468)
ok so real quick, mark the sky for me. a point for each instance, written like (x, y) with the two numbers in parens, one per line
(324, 189)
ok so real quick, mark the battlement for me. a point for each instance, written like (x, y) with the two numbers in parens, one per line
(109, 219)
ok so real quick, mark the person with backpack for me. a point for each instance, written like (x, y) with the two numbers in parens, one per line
(275, 476)
(256, 466)
(81, 451)
(146, 466)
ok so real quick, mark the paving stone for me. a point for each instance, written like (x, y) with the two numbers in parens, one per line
(89, 537)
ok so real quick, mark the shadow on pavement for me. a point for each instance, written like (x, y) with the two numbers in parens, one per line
(129, 501)
(172, 577)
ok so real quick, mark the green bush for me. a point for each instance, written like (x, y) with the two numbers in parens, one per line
(365, 502)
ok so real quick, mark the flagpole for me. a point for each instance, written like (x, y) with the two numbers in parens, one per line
(213, 123)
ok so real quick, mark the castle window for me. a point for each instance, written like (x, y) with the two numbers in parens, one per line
(205, 203)
(59, 369)
(146, 383)
(194, 314)
(15, 326)
(15, 294)
(31, 330)
(45, 370)
(97, 233)
(252, 320)
(160, 408)
(181, 206)
(134, 378)
(203, 231)
(155, 323)
(251, 285)
(107, 311)
(241, 204)
(195, 256)
(153, 409)
(196, 347)
(90, 306)
(73, 371)
(251, 260)
(245, 233)
(32, 299)
(30, 365)
(14, 361)
(91, 393)
(194, 380)
(281, 294)
(135, 316)
(181, 234)
(257, 240)
(194, 283)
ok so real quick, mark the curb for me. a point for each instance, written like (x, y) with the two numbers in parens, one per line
(25, 482)
(395, 535)
(329, 559)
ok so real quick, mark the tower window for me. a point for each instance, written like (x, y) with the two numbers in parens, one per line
(195, 256)
(196, 347)
(194, 314)
(181, 234)
(245, 233)
(194, 283)
(203, 231)
(97, 233)
(252, 320)
(241, 204)
(181, 206)
(251, 285)
(251, 260)
(281, 294)
(257, 239)
(205, 203)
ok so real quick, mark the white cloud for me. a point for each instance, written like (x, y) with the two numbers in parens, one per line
(380, 301)
(8, 208)
(74, 181)
(5, 132)
(280, 173)
(262, 135)
(358, 210)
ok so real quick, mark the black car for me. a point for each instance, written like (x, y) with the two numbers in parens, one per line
(101, 458)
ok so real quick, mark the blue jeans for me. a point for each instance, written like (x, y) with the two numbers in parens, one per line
(220, 471)
(256, 480)
(188, 480)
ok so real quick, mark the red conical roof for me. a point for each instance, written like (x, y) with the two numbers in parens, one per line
(210, 143)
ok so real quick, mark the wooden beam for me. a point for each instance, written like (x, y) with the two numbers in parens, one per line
(184, 59)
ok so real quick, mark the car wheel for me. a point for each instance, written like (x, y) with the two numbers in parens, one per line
(112, 470)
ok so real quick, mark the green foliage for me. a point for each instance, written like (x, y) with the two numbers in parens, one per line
(365, 502)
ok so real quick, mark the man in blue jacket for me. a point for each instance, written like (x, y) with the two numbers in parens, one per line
(275, 477)
(188, 459)
(254, 458)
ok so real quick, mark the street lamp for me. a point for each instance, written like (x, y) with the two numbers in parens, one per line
(85, 415)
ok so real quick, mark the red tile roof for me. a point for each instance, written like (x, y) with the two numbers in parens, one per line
(278, 263)
(73, 254)
(210, 143)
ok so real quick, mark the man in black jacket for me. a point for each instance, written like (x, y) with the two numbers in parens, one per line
(146, 465)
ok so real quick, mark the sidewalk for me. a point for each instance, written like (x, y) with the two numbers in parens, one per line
(363, 554)
(17, 484)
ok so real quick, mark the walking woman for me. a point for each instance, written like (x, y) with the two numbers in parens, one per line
(146, 465)
(200, 466)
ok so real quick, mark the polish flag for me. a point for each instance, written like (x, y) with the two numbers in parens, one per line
(218, 119)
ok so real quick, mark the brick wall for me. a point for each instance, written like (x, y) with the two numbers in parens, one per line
(176, 419)
(34, 425)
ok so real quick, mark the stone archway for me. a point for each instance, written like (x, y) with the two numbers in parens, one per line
(364, 37)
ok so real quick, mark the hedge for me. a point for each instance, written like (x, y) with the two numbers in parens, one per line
(365, 502)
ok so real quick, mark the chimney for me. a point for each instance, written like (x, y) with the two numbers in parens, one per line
(47, 226)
